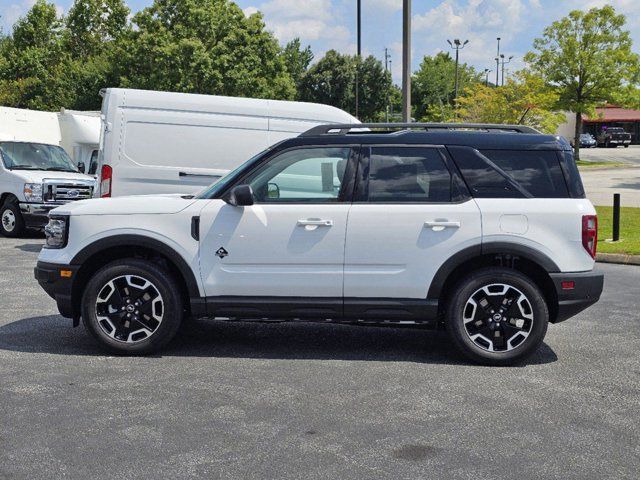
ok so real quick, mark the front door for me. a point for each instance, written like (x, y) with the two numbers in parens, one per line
(290, 243)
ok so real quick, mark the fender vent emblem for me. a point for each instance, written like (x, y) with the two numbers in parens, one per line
(222, 252)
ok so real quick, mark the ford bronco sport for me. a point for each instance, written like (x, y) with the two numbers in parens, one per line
(480, 229)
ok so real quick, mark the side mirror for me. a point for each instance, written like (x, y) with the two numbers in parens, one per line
(240, 196)
(273, 191)
(81, 167)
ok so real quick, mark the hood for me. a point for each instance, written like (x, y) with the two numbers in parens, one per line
(134, 205)
(37, 176)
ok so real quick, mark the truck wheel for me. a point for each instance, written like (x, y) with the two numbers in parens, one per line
(497, 316)
(626, 145)
(132, 306)
(11, 221)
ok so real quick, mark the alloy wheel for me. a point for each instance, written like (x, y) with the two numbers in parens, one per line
(498, 317)
(129, 308)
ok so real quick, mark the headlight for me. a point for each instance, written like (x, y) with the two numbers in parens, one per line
(33, 192)
(57, 232)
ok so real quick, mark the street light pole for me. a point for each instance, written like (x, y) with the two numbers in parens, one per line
(486, 77)
(503, 63)
(498, 63)
(406, 60)
(457, 45)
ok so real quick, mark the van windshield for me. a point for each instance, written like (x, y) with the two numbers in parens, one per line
(35, 156)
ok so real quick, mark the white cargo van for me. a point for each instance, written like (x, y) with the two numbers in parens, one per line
(161, 142)
(36, 174)
(80, 138)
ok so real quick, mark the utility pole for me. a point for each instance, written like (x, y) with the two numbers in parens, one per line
(457, 45)
(406, 61)
(486, 77)
(498, 64)
(359, 15)
(503, 63)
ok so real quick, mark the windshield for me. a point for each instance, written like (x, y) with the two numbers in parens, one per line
(35, 156)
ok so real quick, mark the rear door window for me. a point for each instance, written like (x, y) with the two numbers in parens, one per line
(407, 175)
(539, 172)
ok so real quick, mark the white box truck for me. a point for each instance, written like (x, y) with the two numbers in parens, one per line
(162, 142)
(36, 174)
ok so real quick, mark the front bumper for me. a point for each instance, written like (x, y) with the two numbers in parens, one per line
(36, 215)
(58, 286)
(587, 288)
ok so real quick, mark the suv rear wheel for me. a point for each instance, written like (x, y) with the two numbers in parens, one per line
(497, 316)
(132, 306)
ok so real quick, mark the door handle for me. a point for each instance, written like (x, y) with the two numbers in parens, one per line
(438, 226)
(315, 222)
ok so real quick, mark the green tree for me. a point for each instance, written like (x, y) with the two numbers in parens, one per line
(297, 60)
(332, 81)
(525, 99)
(34, 60)
(433, 86)
(203, 46)
(91, 25)
(587, 57)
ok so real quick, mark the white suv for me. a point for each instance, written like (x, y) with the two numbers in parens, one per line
(481, 229)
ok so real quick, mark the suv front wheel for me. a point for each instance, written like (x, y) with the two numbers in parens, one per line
(132, 306)
(497, 316)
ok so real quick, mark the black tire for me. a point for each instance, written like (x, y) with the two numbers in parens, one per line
(459, 331)
(162, 283)
(11, 221)
(626, 146)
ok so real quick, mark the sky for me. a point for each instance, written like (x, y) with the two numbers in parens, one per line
(331, 24)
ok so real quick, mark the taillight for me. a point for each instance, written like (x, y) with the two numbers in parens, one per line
(590, 234)
(106, 176)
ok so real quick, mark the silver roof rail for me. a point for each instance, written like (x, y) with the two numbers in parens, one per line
(345, 128)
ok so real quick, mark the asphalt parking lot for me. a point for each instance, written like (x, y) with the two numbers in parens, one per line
(292, 401)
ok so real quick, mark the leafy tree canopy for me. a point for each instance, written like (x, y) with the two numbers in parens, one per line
(332, 81)
(524, 100)
(203, 46)
(587, 57)
(433, 85)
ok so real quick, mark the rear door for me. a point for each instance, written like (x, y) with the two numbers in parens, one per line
(410, 214)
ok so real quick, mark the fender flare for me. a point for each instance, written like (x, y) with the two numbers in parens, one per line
(146, 242)
(522, 251)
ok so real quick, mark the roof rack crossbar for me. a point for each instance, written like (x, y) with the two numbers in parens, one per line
(345, 128)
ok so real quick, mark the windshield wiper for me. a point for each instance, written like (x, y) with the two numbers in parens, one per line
(23, 167)
(59, 169)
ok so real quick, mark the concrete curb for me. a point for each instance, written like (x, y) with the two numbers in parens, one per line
(618, 258)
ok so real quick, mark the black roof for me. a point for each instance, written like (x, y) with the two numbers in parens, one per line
(489, 137)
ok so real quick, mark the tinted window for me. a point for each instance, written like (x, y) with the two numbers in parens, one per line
(483, 180)
(303, 175)
(408, 175)
(538, 172)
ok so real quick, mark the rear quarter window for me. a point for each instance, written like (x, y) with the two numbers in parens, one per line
(538, 172)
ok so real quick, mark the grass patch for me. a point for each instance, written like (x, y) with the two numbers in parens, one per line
(629, 230)
(587, 164)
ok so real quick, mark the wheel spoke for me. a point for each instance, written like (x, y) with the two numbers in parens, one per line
(129, 308)
(498, 317)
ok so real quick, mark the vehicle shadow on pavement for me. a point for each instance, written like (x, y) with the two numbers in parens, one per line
(288, 340)
(29, 247)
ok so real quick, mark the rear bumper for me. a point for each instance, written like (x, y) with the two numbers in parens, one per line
(58, 287)
(587, 288)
